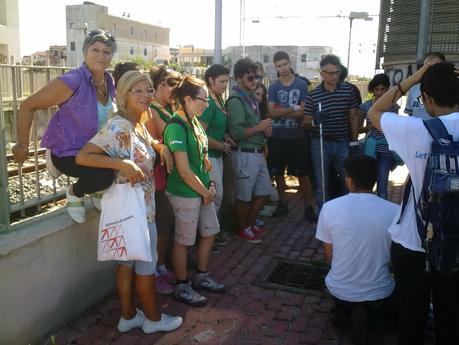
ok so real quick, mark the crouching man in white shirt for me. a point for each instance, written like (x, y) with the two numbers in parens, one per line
(353, 229)
(410, 139)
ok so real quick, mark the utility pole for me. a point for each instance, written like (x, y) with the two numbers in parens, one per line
(424, 21)
(218, 32)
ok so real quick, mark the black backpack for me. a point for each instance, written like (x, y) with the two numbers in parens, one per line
(437, 209)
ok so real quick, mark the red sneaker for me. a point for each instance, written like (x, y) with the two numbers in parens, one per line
(258, 231)
(248, 236)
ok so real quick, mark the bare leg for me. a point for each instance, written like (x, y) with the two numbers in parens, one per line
(179, 256)
(305, 188)
(204, 247)
(125, 287)
(241, 212)
(163, 239)
(257, 204)
(281, 186)
(146, 290)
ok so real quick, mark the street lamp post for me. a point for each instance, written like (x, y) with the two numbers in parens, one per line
(355, 15)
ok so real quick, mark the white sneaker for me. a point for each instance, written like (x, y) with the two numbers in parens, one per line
(75, 207)
(166, 324)
(96, 200)
(136, 322)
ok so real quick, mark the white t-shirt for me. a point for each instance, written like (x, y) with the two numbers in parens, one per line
(356, 226)
(410, 139)
(413, 106)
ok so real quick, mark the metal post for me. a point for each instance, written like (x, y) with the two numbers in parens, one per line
(423, 37)
(322, 165)
(4, 194)
(218, 32)
(242, 27)
(349, 43)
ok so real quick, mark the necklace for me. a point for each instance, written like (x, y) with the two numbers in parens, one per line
(218, 101)
(101, 88)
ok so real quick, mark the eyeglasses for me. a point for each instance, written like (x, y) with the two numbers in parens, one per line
(205, 100)
(107, 35)
(251, 77)
(421, 99)
(332, 73)
(140, 92)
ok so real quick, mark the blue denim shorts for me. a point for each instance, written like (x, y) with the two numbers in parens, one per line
(146, 268)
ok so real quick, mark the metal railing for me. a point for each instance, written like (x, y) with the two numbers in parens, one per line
(25, 189)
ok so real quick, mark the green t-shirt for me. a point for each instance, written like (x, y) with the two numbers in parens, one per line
(216, 122)
(241, 117)
(161, 111)
(177, 139)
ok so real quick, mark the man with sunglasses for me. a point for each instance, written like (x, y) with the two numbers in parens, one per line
(287, 146)
(333, 105)
(252, 182)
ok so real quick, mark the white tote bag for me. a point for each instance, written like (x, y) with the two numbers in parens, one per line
(123, 226)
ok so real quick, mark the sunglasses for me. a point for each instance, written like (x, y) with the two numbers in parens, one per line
(253, 77)
(140, 92)
(171, 82)
(105, 34)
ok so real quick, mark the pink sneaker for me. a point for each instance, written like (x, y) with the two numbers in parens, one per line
(163, 287)
(169, 276)
(248, 236)
(258, 231)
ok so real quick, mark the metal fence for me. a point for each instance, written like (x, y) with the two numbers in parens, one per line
(25, 189)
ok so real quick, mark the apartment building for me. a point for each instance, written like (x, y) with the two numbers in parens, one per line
(9, 32)
(134, 39)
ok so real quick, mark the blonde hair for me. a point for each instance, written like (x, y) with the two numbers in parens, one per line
(124, 85)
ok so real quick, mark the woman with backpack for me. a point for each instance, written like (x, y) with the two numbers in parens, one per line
(191, 192)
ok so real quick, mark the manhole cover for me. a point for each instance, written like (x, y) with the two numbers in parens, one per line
(294, 276)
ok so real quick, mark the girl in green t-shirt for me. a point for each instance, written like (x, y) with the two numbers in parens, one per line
(191, 192)
(165, 81)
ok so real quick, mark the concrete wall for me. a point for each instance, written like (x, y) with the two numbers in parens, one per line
(49, 275)
(9, 31)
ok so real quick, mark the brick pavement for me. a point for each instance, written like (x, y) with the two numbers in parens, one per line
(246, 314)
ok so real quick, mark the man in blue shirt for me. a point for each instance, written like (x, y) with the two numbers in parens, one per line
(287, 147)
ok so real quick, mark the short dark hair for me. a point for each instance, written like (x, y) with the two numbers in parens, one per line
(362, 170)
(280, 55)
(344, 73)
(123, 67)
(441, 83)
(215, 71)
(330, 59)
(379, 79)
(244, 66)
(438, 55)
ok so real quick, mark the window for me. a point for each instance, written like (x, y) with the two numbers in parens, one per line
(145, 51)
(146, 33)
(265, 58)
(156, 35)
(113, 28)
(72, 46)
(131, 51)
(304, 58)
(131, 31)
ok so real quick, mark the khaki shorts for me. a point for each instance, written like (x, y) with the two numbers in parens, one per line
(191, 215)
(251, 175)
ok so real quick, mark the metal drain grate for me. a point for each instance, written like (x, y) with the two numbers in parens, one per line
(293, 276)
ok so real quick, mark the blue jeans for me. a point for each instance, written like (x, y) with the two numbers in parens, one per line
(385, 161)
(335, 152)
